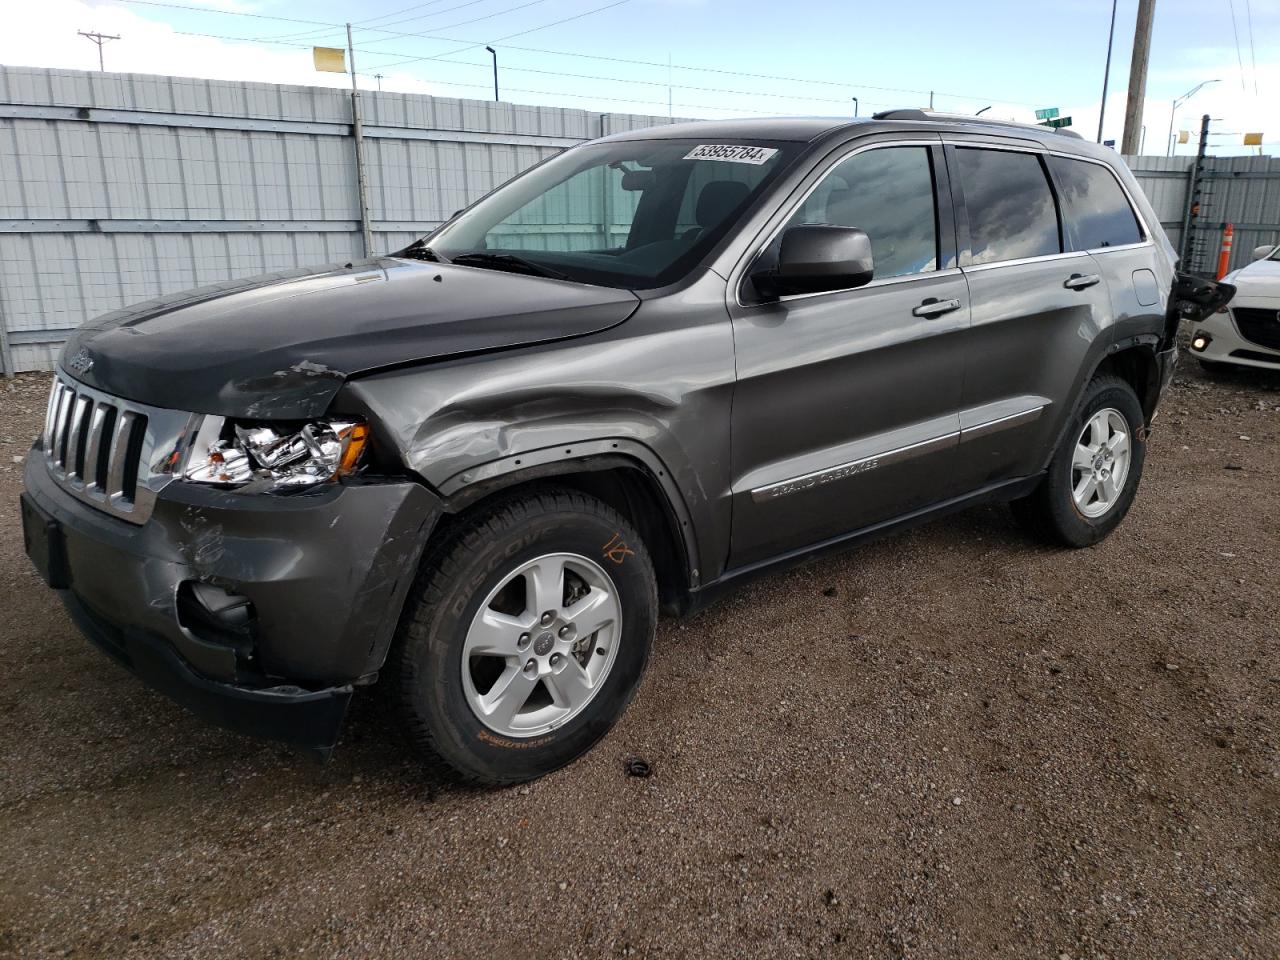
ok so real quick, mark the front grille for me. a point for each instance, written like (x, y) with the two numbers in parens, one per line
(1258, 326)
(103, 449)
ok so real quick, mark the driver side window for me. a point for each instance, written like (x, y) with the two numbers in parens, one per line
(888, 193)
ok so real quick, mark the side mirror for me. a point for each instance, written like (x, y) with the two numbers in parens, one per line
(1262, 252)
(817, 258)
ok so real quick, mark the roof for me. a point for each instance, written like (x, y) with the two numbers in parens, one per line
(796, 129)
(806, 129)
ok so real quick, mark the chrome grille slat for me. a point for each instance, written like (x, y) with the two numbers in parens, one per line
(92, 480)
(115, 461)
(60, 425)
(75, 436)
(101, 448)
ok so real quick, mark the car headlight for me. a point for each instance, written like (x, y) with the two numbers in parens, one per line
(231, 453)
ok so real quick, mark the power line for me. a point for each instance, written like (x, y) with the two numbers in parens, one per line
(509, 36)
(1236, 33)
(598, 77)
(302, 35)
(463, 23)
(1253, 57)
(841, 84)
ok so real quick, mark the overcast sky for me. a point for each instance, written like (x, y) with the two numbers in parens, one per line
(818, 54)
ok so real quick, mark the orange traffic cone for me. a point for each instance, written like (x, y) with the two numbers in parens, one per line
(1224, 255)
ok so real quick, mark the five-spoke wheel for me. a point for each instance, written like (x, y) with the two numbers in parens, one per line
(1100, 465)
(541, 645)
(525, 636)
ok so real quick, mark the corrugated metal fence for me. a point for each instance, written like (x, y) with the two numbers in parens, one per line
(1242, 191)
(116, 188)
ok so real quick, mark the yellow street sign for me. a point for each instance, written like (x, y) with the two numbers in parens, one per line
(1184, 136)
(1253, 139)
(330, 59)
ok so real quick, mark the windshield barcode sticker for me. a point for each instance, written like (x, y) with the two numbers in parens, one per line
(732, 153)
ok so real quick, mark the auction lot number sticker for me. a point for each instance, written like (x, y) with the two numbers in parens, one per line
(731, 153)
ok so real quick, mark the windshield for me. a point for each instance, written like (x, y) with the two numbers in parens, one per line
(631, 213)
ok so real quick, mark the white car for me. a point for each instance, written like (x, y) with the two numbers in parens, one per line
(1247, 332)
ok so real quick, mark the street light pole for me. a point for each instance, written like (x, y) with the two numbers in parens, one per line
(1179, 101)
(495, 71)
(1106, 73)
(855, 107)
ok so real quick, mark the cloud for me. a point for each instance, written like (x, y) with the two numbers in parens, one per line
(45, 35)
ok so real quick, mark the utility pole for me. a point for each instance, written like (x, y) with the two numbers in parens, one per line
(670, 114)
(99, 39)
(357, 130)
(1106, 72)
(1138, 77)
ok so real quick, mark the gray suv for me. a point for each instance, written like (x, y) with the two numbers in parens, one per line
(473, 471)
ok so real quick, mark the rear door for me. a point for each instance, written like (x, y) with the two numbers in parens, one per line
(1099, 218)
(845, 409)
(1040, 311)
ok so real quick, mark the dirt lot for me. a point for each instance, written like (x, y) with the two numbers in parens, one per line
(953, 743)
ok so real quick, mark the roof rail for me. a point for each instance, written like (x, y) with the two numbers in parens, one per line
(905, 113)
(912, 113)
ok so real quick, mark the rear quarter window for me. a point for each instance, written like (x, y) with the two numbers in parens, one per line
(1095, 210)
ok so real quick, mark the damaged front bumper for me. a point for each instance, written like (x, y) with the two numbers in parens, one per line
(307, 590)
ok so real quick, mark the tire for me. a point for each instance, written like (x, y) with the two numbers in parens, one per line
(1053, 511)
(471, 593)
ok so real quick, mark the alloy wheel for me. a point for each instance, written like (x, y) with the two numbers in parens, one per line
(1100, 464)
(541, 645)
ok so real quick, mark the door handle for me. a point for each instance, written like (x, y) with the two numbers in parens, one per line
(933, 307)
(1078, 281)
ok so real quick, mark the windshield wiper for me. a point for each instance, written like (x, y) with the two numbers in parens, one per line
(420, 251)
(509, 262)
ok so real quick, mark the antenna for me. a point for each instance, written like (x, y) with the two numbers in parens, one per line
(99, 39)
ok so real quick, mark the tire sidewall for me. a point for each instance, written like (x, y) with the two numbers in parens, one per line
(1077, 528)
(438, 696)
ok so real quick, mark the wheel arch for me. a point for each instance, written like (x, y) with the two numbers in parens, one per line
(622, 473)
(1134, 361)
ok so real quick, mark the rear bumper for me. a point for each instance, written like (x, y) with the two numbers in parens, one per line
(309, 719)
(326, 573)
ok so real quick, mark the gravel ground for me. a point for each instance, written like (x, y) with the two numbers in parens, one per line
(951, 743)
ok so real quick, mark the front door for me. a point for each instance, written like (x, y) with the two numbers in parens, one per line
(845, 413)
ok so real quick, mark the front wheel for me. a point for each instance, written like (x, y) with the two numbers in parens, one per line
(1093, 476)
(525, 637)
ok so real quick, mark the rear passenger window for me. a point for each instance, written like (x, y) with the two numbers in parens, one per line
(1011, 209)
(888, 193)
(1094, 208)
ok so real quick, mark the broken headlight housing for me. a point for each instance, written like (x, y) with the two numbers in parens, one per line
(274, 455)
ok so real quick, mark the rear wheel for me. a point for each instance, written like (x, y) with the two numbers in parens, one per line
(525, 637)
(1093, 476)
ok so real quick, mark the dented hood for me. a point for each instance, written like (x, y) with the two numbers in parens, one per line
(279, 346)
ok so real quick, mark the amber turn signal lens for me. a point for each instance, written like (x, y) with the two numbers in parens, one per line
(353, 445)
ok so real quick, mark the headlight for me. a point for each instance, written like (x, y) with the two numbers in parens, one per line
(284, 457)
